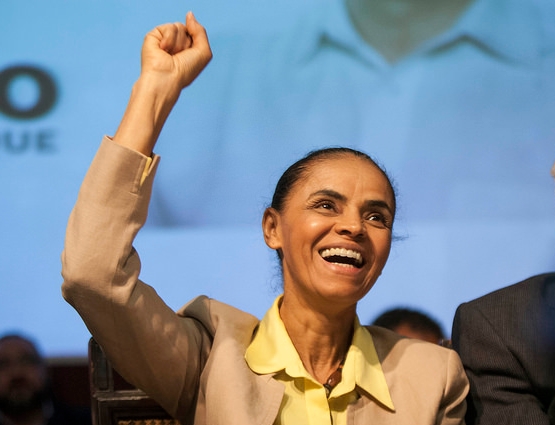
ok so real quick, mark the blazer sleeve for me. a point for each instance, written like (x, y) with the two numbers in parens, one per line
(500, 392)
(149, 345)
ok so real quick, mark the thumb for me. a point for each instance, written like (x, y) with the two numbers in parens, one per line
(195, 30)
(194, 59)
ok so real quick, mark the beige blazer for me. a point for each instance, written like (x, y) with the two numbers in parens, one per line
(193, 362)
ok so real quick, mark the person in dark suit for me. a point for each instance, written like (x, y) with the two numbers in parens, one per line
(506, 340)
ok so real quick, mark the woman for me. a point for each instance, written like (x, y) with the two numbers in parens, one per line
(308, 360)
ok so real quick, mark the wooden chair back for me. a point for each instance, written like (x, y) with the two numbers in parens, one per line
(116, 402)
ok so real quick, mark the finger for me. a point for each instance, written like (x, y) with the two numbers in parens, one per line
(170, 37)
(196, 30)
(175, 38)
(199, 38)
(183, 41)
(153, 39)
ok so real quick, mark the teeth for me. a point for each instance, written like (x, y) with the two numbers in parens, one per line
(342, 252)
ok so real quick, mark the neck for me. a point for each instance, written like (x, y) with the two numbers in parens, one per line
(397, 27)
(321, 340)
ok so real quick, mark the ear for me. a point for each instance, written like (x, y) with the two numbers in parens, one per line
(271, 228)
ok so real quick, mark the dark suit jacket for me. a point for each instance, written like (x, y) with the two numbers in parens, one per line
(63, 414)
(506, 340)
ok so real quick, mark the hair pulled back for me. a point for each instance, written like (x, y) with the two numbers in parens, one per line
(301, 168)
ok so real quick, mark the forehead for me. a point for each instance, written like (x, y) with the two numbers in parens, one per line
(13, 347)
(348, 172)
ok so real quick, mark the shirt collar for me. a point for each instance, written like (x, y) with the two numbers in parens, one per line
(272, 351)
(362, 359)
(489, 25)
(492, 25)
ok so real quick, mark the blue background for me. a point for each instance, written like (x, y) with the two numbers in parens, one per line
(91, 49)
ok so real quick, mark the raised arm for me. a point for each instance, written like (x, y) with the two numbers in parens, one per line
(101, 268)
(173, 55)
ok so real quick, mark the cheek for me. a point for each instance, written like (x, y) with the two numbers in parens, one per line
(382, 246)
(36, 377)
(303, 231)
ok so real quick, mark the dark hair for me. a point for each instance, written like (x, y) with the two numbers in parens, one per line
(26, 339)
(415, 319)
(299, 169)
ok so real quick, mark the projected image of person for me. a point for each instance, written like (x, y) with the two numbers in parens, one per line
(456, 97)
(309, 359)
(459, 108)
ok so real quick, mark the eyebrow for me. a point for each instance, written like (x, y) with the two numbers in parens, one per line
(330, 193)
(372, 203)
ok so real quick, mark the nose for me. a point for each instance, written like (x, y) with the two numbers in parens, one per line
(350, 223)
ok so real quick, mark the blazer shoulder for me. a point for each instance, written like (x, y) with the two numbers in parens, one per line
(390, 345)
(214, 315)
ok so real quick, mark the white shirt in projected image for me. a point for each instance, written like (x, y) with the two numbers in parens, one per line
(465, 123)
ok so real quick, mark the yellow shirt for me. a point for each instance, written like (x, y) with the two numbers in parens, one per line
(146, 171)
(305, 400)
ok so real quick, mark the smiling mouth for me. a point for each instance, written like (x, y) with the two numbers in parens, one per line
(343, 257)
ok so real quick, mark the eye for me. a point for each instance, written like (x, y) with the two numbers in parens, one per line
(375, 217)
(325, 204)
(378, 219)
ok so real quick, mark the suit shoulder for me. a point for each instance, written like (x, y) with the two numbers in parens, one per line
(515, 294)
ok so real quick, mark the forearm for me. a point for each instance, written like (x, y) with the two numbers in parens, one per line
(149, 106)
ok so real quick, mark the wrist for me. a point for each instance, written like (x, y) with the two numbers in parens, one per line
(151, 101)
(161, 92)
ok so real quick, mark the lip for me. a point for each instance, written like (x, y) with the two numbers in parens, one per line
(336, 270)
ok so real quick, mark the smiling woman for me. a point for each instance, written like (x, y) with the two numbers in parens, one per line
(333, 230)
(308, 360)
